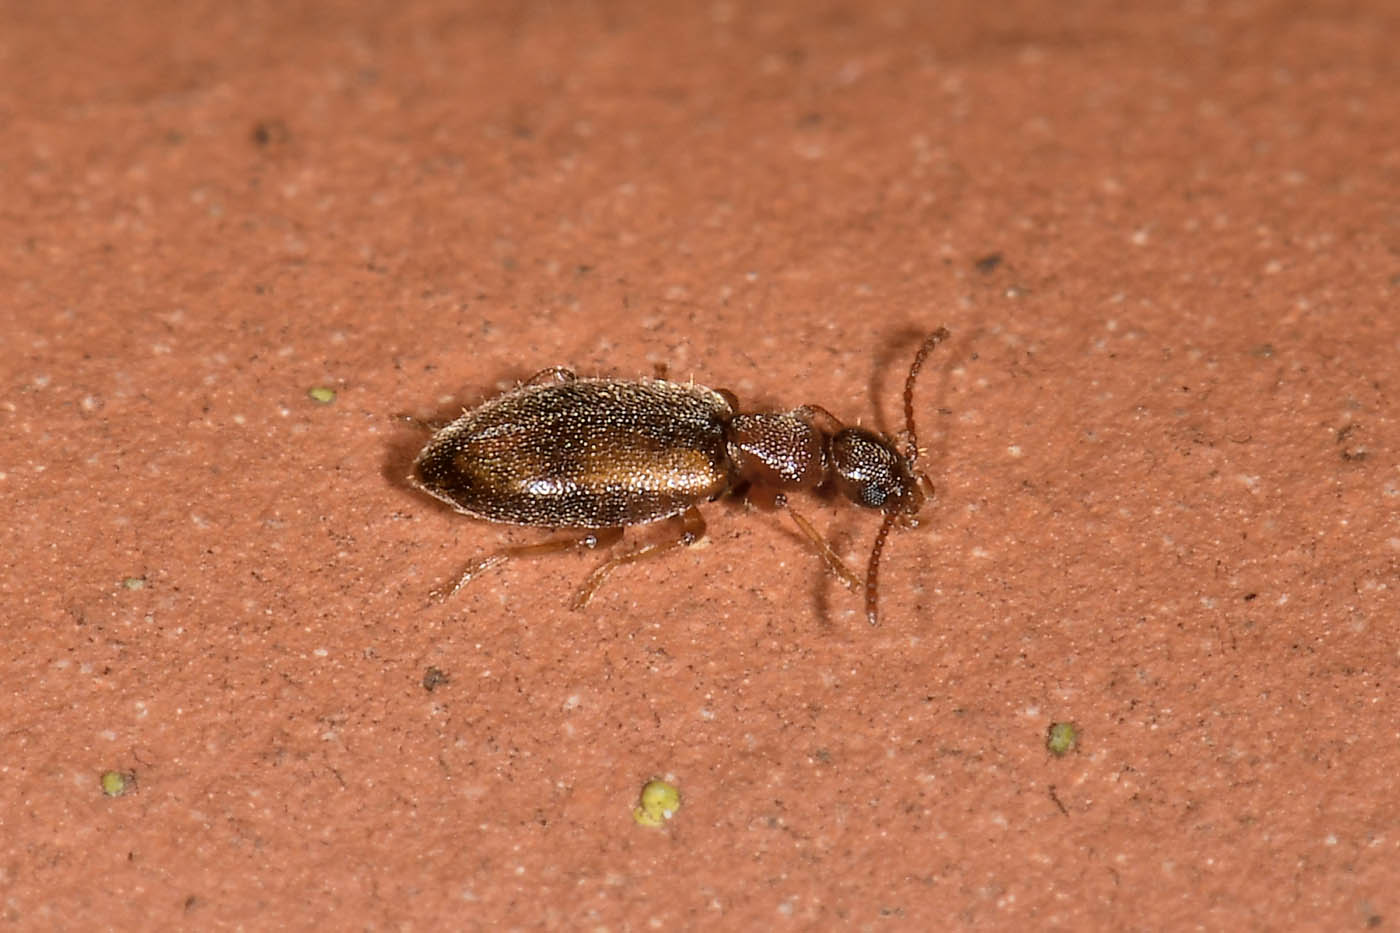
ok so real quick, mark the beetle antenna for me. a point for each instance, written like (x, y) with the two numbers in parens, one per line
(872, 573)
(911, 447)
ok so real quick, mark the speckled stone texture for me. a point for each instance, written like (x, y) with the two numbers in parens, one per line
(1164, 435)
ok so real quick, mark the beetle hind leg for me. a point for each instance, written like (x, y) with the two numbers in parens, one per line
(593, 539)
(692, 529)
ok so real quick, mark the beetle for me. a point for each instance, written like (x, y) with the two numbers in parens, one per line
(597, 456)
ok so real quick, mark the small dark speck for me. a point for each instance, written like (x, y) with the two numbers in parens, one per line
(1374, 921)
(988, 263)
(1250, 596)
(811, 118)
(267, 132)
(433, 678)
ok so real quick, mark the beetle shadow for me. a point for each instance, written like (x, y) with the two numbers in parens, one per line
(760, 503)
(888, 376)
(827, 588)
(403, 446)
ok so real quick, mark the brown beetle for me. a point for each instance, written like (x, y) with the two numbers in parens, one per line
(599, 455)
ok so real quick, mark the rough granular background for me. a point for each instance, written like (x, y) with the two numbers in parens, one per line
(1166, 239)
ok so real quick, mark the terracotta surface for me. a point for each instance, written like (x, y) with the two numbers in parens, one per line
(1164, 434)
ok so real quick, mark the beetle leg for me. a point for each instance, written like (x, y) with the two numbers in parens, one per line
(421, 424)
(592, 539)
(819, 418)
(555, 375)
(692, 530)
(833, 562)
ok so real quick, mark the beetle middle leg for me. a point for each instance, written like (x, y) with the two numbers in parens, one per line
(692, 529)
(595, 538)
(554, 375)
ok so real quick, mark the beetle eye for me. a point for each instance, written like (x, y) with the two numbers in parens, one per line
(873, 495)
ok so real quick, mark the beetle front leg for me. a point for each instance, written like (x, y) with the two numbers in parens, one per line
(822, 546)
